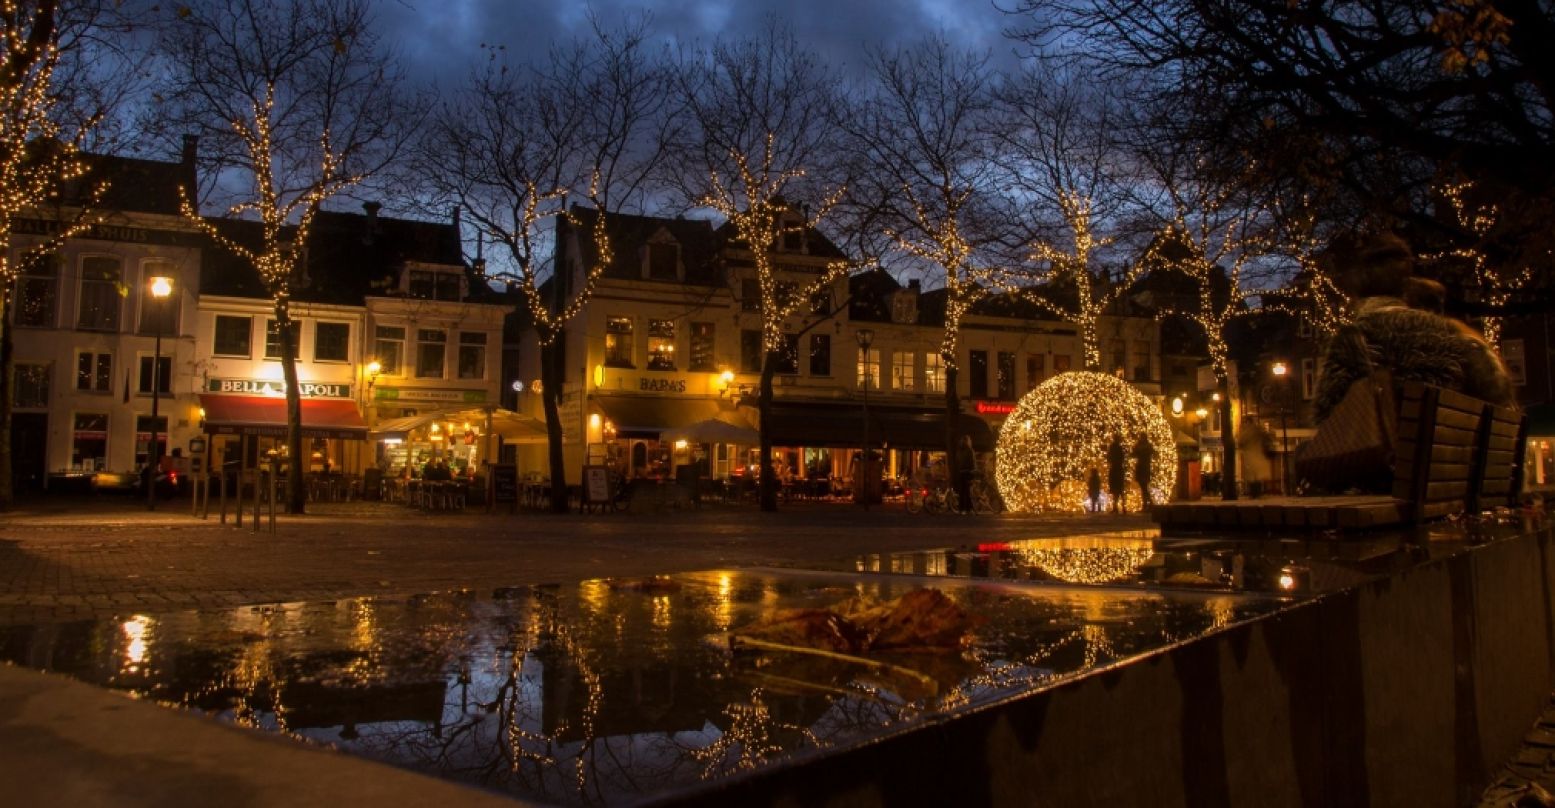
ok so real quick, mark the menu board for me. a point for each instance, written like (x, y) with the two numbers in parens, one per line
(504, 482)
(596, 485)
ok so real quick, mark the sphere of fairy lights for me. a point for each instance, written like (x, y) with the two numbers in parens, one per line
(1061, 430)
(1088, 559)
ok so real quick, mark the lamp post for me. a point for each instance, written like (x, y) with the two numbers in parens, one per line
(161, 288)
(865, 337)
(1280, 370)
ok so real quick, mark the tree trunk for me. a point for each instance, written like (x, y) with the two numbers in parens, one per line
(550, 397)
(952, 421)
(296, 488)
(1227, 442)
(769, 488)
(7, 399)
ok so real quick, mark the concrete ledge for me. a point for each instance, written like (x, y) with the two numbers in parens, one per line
(1409, 690)
(65, 743)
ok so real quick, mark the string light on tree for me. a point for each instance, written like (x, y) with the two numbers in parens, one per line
(1093, 294)
(1060, 432)
(1495, 281)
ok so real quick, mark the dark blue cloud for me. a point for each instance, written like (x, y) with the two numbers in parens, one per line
(440, 38)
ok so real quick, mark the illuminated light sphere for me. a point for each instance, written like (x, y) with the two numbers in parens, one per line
(1088, 560)
(1060, 431)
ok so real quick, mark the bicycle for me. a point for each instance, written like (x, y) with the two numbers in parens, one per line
(939, 498)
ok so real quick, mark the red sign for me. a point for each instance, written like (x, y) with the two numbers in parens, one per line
(995, 408)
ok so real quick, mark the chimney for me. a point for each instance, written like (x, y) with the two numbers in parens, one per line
(371, 208)
(191, 150)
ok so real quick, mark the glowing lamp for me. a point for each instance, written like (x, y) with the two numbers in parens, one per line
(518, 386)
(1279, 369)
(161, 287)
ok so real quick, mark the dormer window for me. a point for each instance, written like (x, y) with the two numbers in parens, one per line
(662, 259)
(435, 284)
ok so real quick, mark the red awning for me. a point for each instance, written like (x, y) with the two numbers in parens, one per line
(262, 415)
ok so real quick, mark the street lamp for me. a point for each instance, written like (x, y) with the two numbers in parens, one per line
(865, 337)
(1280, 370)
(161, 288)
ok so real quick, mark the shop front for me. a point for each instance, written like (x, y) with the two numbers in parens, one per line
(650, 436)
(248, 430)
(460, 439)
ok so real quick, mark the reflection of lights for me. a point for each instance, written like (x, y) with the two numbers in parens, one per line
(135, 630)
(1084, 560)
(1073, 418)
(680, 444)
(1287, 581)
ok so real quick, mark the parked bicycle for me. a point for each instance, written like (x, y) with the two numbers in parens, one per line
(942, 498)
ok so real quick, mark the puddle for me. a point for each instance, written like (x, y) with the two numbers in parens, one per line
(589, 695)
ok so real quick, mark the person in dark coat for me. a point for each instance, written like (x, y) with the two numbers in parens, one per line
(1144, 455)
(1117, 475)
(1093, 491)
(966, 467)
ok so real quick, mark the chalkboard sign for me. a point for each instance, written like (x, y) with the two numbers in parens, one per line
(504, 482)
(596, 485)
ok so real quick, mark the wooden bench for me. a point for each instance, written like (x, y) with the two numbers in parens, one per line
(1452, 454)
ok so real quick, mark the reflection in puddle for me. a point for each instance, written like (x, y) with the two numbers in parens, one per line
(589, 695)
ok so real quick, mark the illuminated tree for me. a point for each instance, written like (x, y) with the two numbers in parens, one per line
(51, 105)
(1314, 292)
(922, 139)
(1060, 152)
(757, 113)
(515, 144)
(1494, 281)
(295, 102)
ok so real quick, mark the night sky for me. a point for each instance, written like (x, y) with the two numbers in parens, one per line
(438, 38)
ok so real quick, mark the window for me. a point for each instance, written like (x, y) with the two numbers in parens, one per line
(164, 375)
(703, 357)
(234, 336)
(1115, 349)
(618, 342)
(431, 347)
(902, 375)
(1034, 370)
(750, 295)
(664, 262)
(389, 348)
(332, 342)
(820, 354)
(661, 344)
(933, 373)
(37, 291)
(273, 339)
(159, 315)
(869, 368)
(1060, 363)
(820, 302)
(750, 351)
(788, 355)
(434, 285)
(32, 385)
(89, 446)
(472, 355)
(1005, 378)
(94, 372)
(1141, 360)
(101, 279)
(977, 374)
(145, 450)
(1308, 378)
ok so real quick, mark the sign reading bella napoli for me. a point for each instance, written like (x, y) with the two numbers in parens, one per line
(272, 387)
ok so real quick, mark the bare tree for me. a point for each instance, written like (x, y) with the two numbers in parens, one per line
(57, 88)
(923, 138)
(757, 135)
(295, 102)
(513, 145)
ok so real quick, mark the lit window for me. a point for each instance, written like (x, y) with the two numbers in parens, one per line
(101, 280)
(431, 348)
(618, 342)
(389, 348)
(902, 375)
(89, 444)
(703, 357)
(869, 368)
(934, 373)
(661, 344)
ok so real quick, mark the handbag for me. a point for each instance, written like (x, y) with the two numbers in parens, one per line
(1353, 447)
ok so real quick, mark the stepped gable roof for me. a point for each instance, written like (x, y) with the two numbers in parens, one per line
(351, 257)
(630, 233)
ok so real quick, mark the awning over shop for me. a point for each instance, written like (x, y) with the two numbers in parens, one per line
(647, 416)
(266, 416)
(512, 426)
(828, 424)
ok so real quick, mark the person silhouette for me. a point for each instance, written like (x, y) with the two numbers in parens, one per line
(1116, 475)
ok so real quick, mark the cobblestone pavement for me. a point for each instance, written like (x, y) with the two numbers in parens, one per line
(67, 558)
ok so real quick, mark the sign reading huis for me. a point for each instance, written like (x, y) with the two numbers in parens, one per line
(272, 387)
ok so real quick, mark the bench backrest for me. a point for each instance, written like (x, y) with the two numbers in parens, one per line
(1454, 453)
